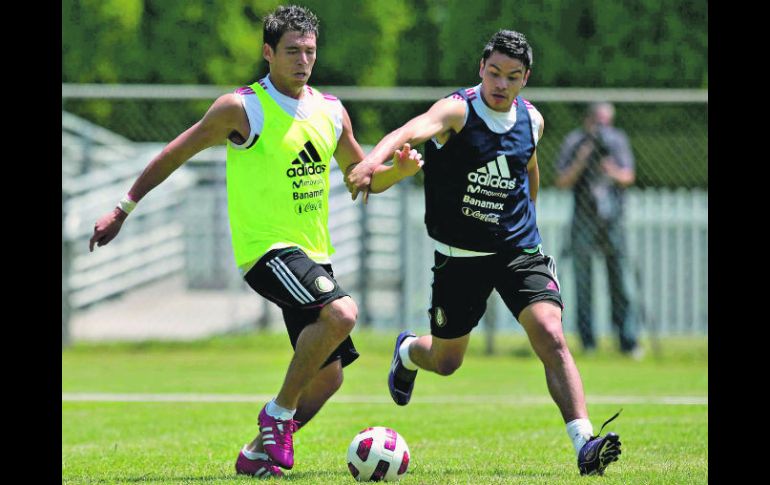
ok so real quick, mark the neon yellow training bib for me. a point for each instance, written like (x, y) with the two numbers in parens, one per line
(278, 189)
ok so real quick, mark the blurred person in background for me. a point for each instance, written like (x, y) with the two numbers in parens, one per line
(481, 184)
(597, 163)
(281, 135)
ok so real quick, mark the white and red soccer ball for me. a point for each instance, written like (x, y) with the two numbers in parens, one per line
(376, 454)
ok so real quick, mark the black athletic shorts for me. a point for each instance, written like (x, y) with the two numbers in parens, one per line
(301, 288)
(461, 287)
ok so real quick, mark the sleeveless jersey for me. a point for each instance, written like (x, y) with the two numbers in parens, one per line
(477, 185)
(278, 188)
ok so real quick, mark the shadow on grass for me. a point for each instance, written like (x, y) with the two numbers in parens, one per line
(460, 473)
(161, 479)
(426, 475)
(482, 475)
(319, 477)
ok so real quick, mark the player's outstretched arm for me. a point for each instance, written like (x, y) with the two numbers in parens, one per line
(223, 117)
(406, 162)
(446, 115)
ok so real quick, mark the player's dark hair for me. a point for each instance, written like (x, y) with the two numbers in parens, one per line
(512, 44)
(288, 18)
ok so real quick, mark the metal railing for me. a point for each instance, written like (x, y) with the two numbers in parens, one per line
(367, 93)
(153, 244)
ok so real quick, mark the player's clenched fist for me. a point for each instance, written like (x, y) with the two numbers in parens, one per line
(106, 228)
(358, 179)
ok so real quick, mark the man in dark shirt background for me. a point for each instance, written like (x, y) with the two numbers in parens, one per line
(596, 162)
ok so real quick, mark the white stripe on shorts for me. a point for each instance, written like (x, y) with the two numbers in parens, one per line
(293, 278)
(286, 282)
(551, 263)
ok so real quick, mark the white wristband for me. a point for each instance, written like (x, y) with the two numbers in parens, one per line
(126, 204)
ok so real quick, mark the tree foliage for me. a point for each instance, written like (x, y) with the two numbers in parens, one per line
(638, 43)
(576, 43)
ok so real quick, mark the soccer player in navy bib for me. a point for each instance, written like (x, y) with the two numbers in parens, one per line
(481, 184)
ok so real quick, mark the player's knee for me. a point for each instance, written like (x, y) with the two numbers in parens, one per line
(552, 343)
(341, 316)
(448, 365)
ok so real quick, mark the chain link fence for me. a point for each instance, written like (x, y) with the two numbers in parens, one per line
(668, 129)
(661, 280)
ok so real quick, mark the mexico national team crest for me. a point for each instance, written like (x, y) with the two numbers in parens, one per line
(439, 316)
(324, 284)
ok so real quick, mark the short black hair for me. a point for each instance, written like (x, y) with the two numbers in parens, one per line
(512, 44)
(288, 18)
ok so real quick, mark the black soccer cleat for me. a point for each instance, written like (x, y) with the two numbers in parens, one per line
(401, 379)
(599, 452)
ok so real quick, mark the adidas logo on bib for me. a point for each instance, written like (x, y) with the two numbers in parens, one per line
(308, 162)
(495, 174)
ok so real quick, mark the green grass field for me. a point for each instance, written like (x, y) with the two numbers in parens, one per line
(489, 423)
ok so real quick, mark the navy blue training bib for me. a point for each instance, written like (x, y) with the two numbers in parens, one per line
(477, 187)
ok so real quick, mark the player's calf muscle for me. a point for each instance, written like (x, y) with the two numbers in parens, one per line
(447, 366)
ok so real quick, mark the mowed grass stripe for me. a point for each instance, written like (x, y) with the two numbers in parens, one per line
(492, 422)
(471, 399)
(195, 443)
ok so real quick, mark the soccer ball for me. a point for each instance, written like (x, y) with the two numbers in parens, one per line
(376, 454)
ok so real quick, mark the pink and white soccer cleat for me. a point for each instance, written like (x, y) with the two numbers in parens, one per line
(256, 468)
(277, 438)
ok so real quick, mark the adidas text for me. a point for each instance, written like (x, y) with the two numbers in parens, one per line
(494, 181)
(308, 170)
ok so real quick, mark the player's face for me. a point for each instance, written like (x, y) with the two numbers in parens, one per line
(292, 60)
(502, 78)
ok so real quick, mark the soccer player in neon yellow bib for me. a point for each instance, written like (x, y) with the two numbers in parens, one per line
(281, 136)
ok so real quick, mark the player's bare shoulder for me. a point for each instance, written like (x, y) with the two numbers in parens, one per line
(451, 111)
(227, 113)
(228, 105)
(453, 107)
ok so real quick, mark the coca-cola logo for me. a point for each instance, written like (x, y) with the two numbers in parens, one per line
(490, 218)
(303, 207)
